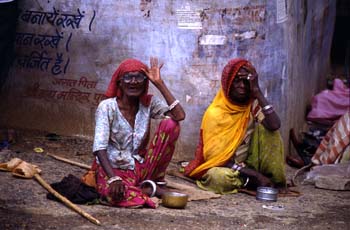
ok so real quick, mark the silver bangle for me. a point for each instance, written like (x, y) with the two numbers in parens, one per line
(267, 107)
(268, 111)
(246, 182)
(114, 178)
(154, 186)
(173, 105)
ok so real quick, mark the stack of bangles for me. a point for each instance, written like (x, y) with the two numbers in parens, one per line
(267, 109)
(238, 168)
(114, 178)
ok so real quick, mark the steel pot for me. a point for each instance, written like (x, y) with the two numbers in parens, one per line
(266, 194)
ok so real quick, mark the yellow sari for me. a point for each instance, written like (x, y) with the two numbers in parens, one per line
(224, 126)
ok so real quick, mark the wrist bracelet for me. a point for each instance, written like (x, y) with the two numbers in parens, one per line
(173, 105)
(246, 182)
(266, 112)
(154, 186)
(114, 178)
(267, 107)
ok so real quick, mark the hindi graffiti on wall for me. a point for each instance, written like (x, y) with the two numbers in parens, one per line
(48, 52)
(74, 93)
(55, 18)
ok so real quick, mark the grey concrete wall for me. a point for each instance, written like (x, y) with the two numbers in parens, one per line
(68, 50)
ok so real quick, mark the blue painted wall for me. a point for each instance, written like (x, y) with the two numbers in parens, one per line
(68, 50)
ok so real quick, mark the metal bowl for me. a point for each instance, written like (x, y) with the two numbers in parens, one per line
(266, 194)
(174, 200)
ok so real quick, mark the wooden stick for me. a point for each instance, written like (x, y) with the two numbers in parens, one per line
(82, 165)
(193, 191)
(65, 200)
(174, 172)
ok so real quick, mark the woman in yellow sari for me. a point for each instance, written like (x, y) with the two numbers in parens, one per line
(239, 143)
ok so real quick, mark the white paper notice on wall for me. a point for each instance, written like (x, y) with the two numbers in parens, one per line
(188, 18)
(281, 11)
(206, 40)
(245, 35)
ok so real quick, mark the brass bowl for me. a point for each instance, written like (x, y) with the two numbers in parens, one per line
(174, 200)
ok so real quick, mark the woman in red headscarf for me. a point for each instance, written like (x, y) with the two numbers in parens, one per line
(238, 129)
(128, 168)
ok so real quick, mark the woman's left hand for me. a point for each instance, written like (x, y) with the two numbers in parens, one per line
(153, 73)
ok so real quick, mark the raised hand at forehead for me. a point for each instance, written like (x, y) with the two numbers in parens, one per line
(153, 73)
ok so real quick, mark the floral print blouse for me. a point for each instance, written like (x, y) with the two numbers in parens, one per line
(114, 133)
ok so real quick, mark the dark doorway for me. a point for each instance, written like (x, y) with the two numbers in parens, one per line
(340, 53)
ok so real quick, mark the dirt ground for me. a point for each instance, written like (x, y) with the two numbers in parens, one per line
(23, 202)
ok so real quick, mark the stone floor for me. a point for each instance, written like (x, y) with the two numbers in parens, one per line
(23, 202)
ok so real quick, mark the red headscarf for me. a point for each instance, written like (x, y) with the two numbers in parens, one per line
(128, 65)
(229, 72)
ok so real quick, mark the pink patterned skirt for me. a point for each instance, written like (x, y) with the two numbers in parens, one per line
(156, 160)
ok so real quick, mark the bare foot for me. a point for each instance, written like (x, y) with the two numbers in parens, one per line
(282, 189)
(156, 201)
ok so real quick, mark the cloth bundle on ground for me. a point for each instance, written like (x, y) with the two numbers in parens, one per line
(335, 146)
(329, 105)
(71, 187)
(74, 190)
(331, 169)
(330, 176)
(20, 168)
